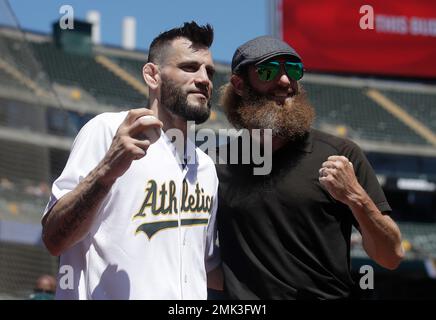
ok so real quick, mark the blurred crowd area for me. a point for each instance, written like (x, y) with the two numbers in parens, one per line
(23, 200)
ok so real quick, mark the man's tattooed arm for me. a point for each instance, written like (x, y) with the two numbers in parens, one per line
(71, 217)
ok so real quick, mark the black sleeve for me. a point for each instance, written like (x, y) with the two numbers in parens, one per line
(366, 176)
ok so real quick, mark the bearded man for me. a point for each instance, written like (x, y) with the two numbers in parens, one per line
(116, 215)
(286, 235)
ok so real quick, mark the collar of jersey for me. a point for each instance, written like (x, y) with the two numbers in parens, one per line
(171, 145)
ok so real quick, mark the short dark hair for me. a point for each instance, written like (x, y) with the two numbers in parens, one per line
(199, 35)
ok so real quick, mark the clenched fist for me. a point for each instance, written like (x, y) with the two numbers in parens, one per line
(338, 177)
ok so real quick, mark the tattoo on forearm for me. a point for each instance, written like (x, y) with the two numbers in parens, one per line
(87, 202)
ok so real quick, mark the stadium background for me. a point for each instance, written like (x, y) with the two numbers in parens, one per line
(52, 84)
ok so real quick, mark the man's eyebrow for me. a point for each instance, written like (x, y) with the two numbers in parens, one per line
(189, 62)
(209, 67)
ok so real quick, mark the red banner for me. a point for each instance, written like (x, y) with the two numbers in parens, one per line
(397, 38)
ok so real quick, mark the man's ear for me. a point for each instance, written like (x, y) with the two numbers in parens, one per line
(151, 75)
(237, 83)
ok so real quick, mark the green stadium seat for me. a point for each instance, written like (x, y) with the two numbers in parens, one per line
(338, 105)
(420, 105)
(83, 71)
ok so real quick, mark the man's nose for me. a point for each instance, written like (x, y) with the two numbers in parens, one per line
(284, 80)
(202, 77)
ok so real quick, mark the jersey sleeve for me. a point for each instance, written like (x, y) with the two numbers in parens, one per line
(88, 149)
(212, 253)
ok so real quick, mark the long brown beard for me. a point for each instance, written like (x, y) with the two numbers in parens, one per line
(255, 111)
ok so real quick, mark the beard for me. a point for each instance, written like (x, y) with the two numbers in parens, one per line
(176, 101)
(254, 110)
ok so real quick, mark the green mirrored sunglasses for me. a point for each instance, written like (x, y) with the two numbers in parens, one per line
(268, 71)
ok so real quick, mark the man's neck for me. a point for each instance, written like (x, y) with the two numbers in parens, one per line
(169, 120)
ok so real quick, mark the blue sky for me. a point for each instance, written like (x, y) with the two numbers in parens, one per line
(234, 21)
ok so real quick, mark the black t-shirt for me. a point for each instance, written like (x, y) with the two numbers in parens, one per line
(281, 235)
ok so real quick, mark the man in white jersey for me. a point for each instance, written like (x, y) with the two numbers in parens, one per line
(130, 218)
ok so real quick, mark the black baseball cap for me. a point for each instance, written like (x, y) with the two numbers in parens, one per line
(260, 49)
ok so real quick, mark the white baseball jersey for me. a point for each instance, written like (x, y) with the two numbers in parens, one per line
(153, 236)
